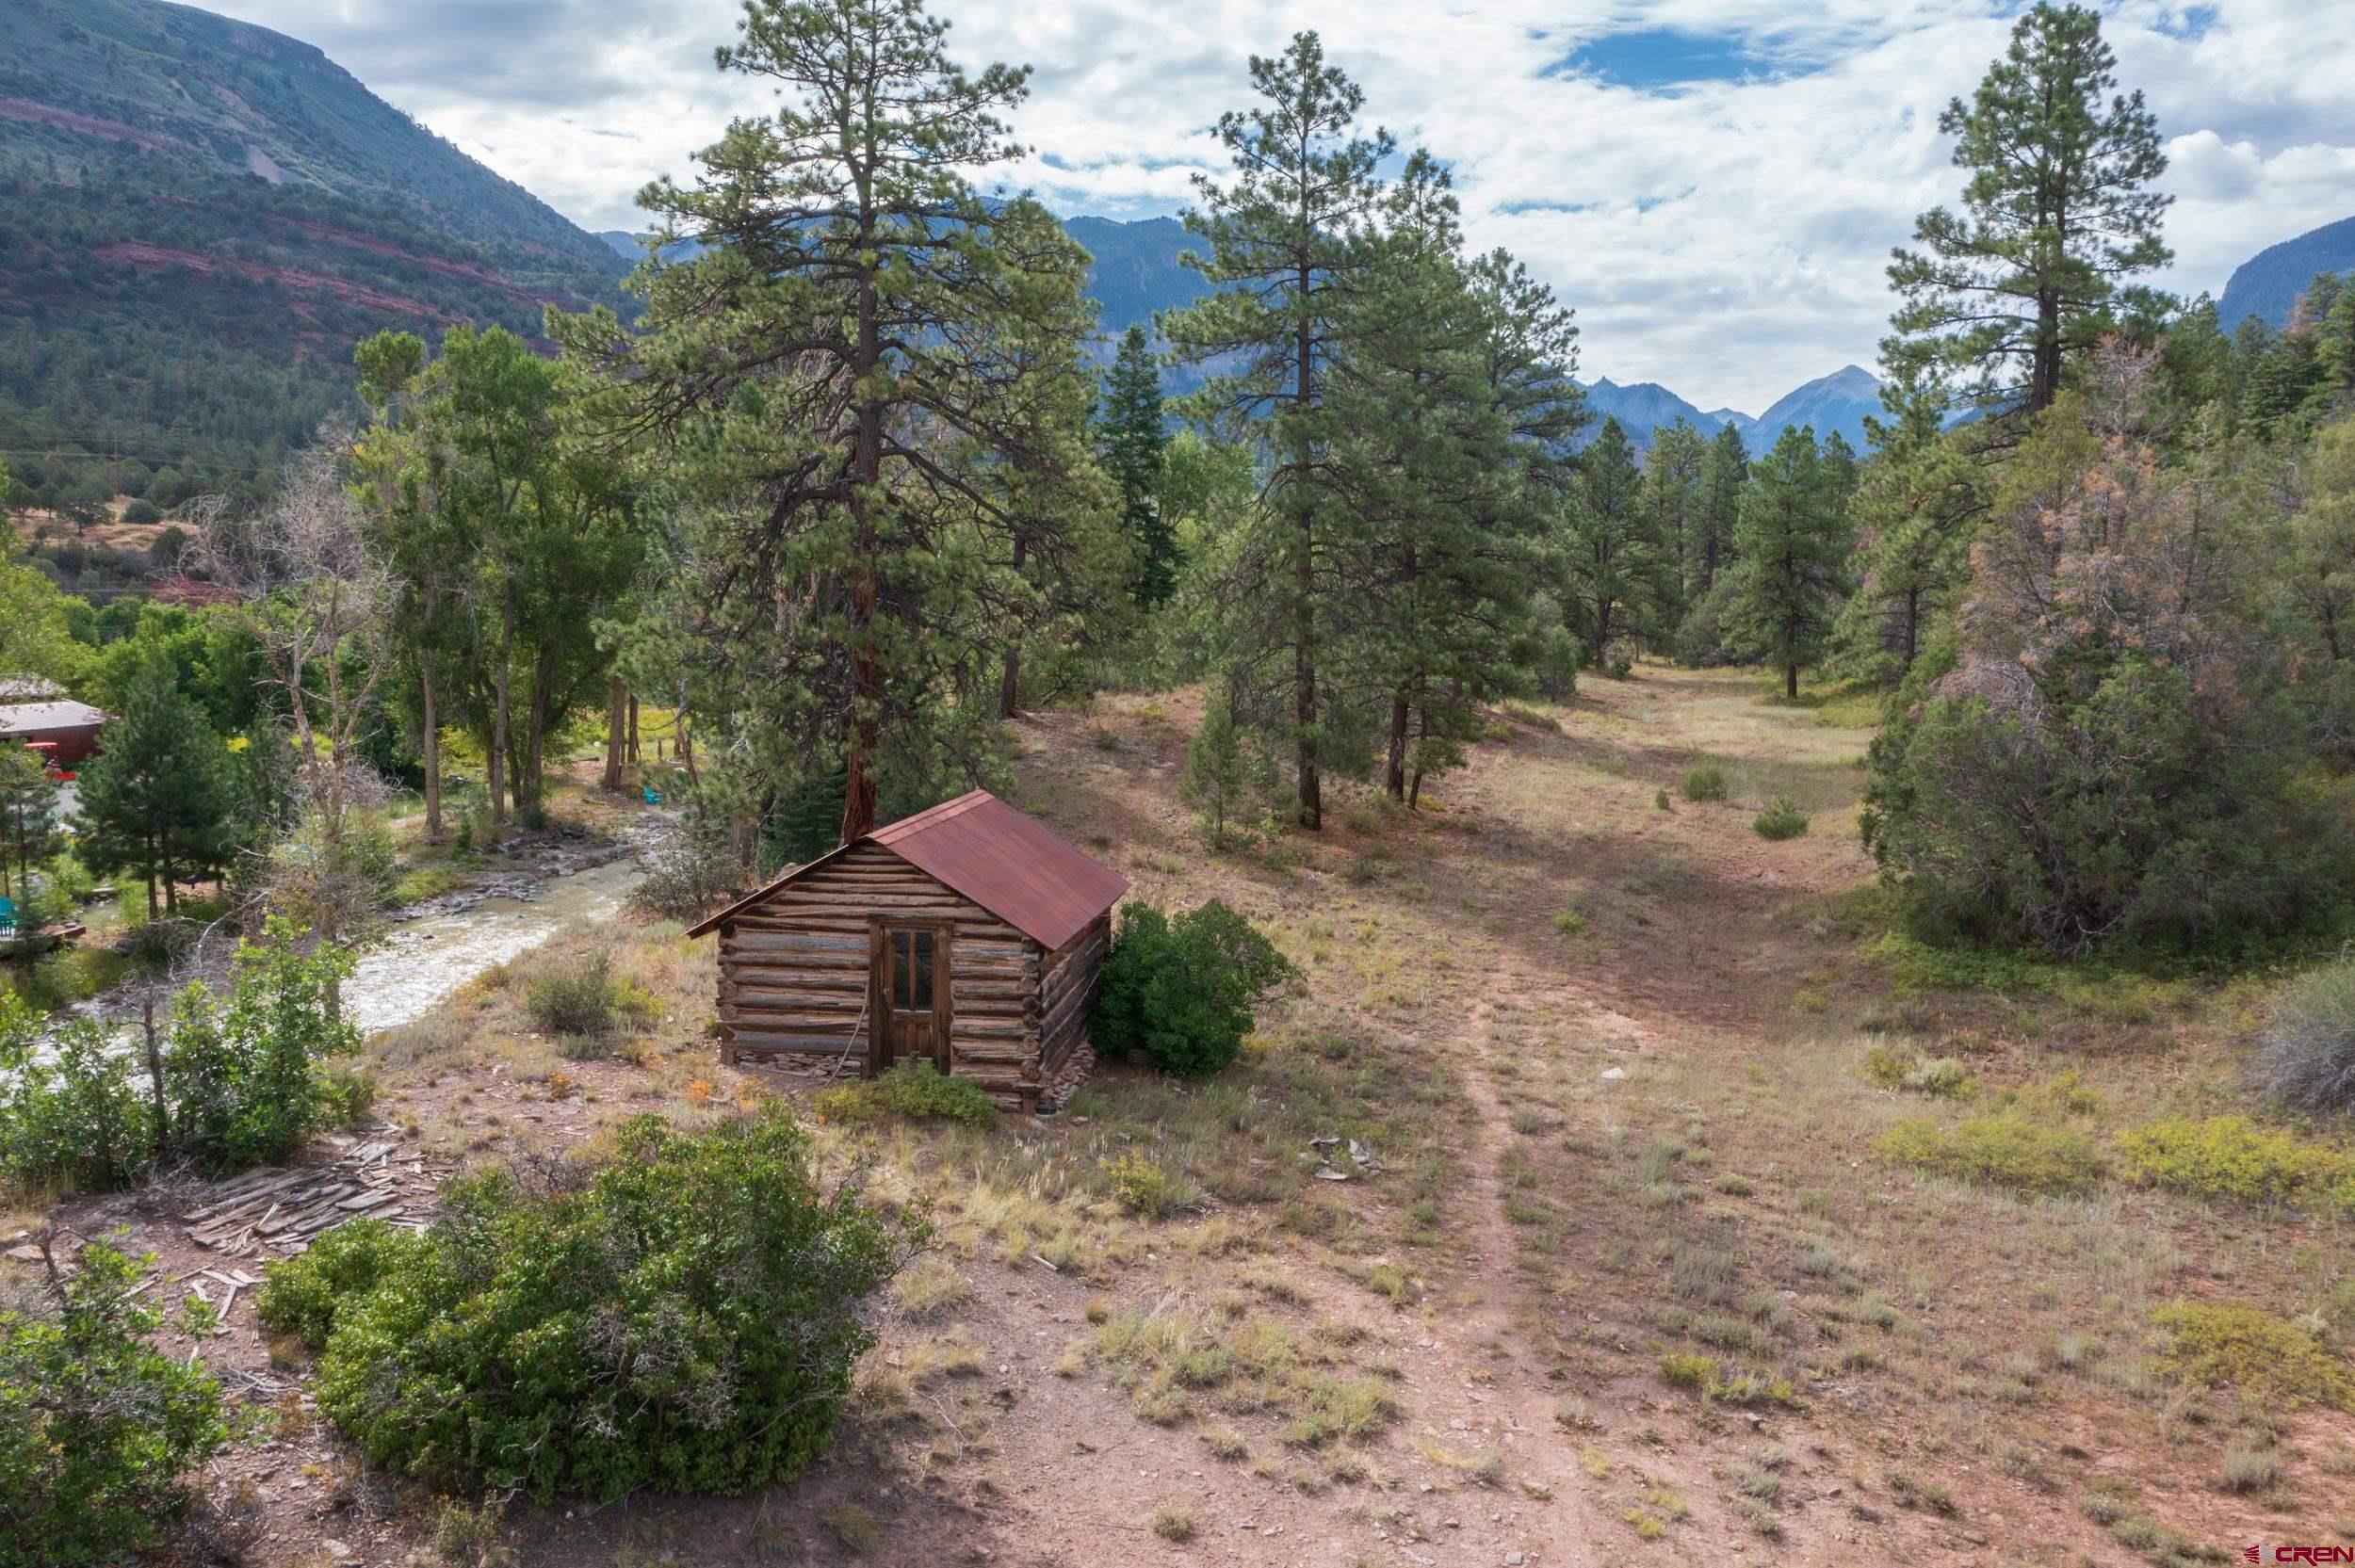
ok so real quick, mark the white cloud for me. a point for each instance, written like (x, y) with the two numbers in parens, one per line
(1728, 238)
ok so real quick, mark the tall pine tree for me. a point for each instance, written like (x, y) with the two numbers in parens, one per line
(1793, 544)
(1615, 570)
(1286, 254)
(1131, 435)
(158, 801)
(1716, 506)
(852, 374)
(2056, 217)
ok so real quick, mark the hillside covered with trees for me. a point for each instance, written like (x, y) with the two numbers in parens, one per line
(199, 219)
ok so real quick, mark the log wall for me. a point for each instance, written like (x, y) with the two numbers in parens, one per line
(795, 972)
(1066, 990)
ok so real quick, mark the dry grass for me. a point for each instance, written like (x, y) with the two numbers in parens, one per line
(1721, 1201)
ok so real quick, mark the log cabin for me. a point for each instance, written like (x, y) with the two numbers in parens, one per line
(966, 936)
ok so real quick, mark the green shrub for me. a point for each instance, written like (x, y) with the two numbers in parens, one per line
(2231, 1157)
(684, 1317)
(1178, 991)
(1703, 781)
(1141, 1185)
(2123, 807)
(1901, 1067)
(1680, 1370)
(581, 997)
(693, 868)
(2307, 1057)
(249, 1077)
(78, 1118)
(96, 1426)
(912, 1091)
(343, 1266)
(2253, 1353)
(2001, 1148)
(1781, 819)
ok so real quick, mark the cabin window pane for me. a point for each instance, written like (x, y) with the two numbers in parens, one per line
(920, 978)
(902, 965)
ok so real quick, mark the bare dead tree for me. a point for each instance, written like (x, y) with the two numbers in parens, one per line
(307, 581)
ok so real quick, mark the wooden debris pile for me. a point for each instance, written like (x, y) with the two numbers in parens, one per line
(274, 1212)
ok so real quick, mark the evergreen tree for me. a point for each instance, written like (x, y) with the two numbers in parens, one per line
(1716, 507)
(2055, 218)
(1614, 568)
(28, 817)
(1436, 544)
(861, 378)
(1134, 445)
(1215, 775)
(157, 800)
(1672, 492)
(1793, 544)
(1285, 256)
(1916, 507)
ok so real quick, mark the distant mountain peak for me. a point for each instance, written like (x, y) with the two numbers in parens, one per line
(2267, 284)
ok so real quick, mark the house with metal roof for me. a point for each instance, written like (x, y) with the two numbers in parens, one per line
(966, 936)
(62, 730)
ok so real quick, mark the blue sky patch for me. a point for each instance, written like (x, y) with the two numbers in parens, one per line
(1657, 57)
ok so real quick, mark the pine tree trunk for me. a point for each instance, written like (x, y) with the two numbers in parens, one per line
(1394, 772)
(861, 742)
(633, 728)
(616, 714)
(1010, 680)
(154, 1072)
(1414, 790)
(433, 738)
(1304, 609)
(1791, 682)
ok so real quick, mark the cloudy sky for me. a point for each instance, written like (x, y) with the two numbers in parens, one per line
(1713, 185)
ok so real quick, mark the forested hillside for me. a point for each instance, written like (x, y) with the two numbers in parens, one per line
(199, 219)
(2269, 283)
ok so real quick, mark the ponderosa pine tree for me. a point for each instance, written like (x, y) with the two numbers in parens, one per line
(1915, 509)
(2056, 217)
(1286, 256)
(1614, 570)
(1435, 542)
(1134, 442)
(832, 373)
(158, 801)
(1672, 492)
(1717, 506)
(1216, 774)
(1793, 548)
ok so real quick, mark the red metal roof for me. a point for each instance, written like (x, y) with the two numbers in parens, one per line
(996, 856)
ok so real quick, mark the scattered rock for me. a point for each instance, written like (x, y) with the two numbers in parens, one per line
(1613, 1074)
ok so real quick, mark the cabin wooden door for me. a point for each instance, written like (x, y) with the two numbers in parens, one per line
(910, 995)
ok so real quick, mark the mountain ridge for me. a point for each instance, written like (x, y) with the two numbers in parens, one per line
(2267, 284)
(199, 219)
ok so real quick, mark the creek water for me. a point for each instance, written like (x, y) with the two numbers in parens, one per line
(421, 963)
